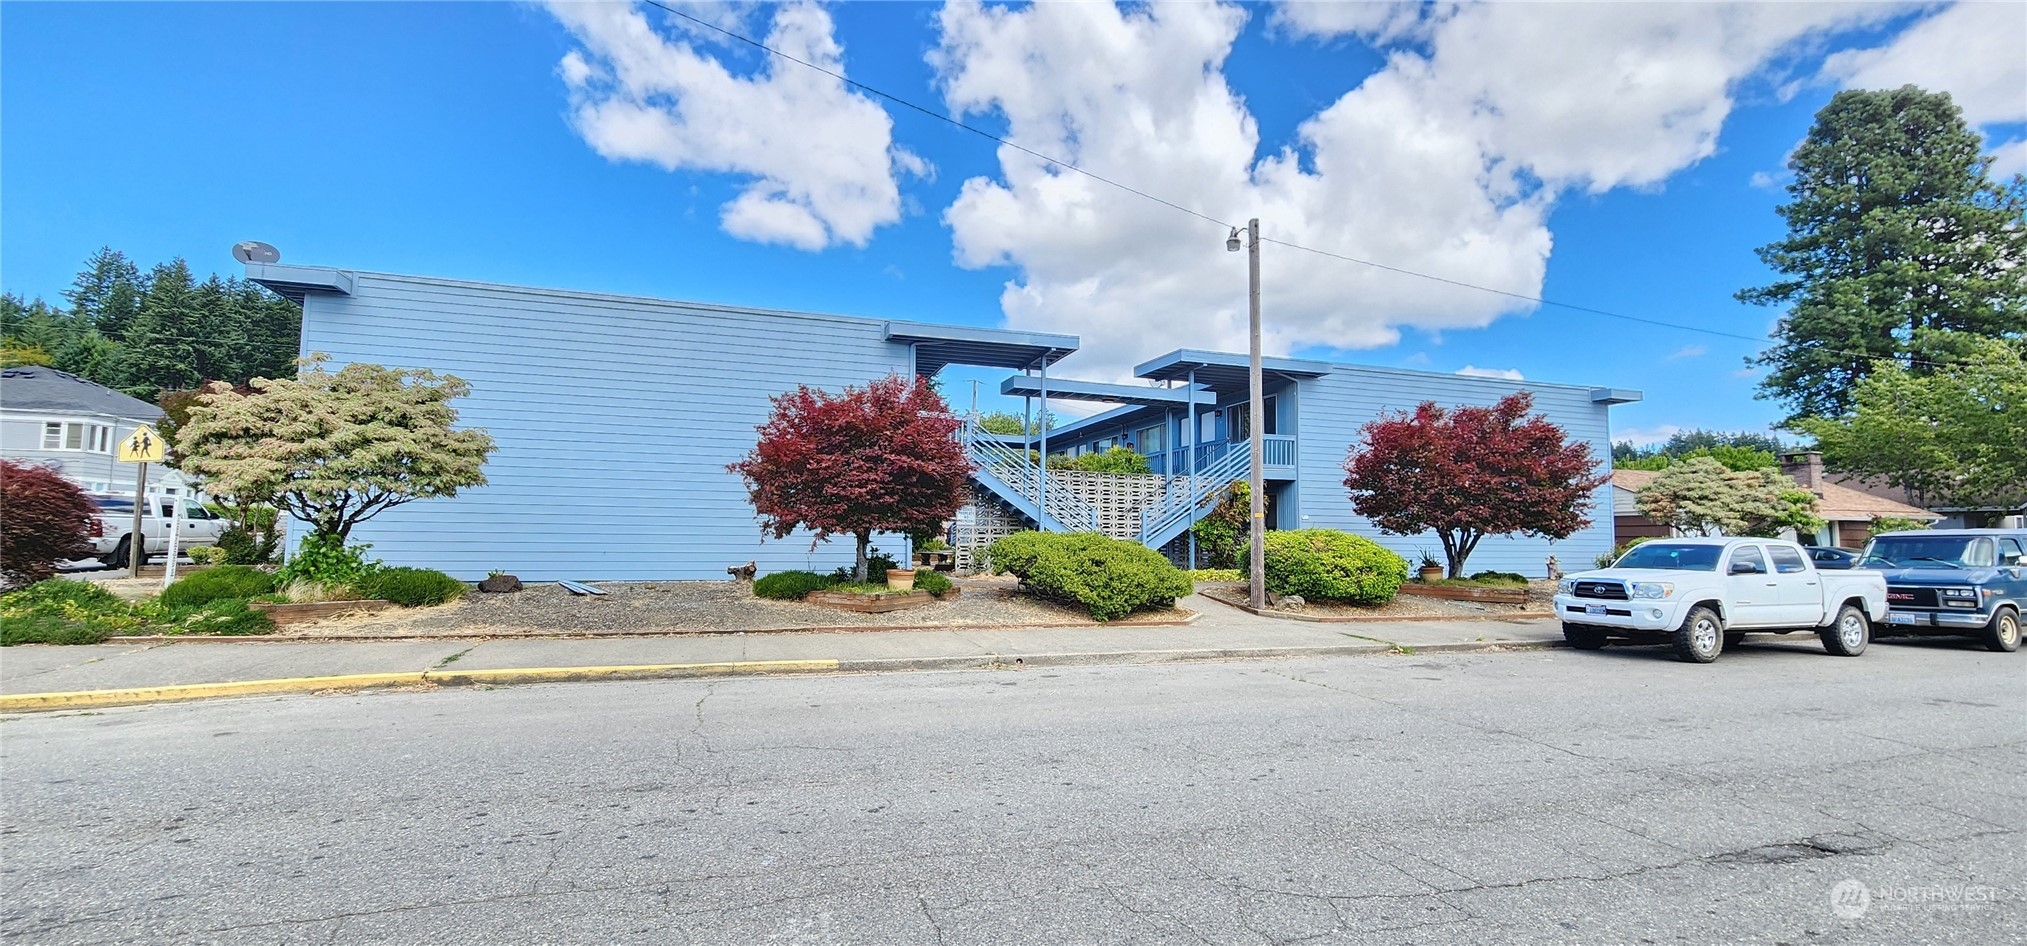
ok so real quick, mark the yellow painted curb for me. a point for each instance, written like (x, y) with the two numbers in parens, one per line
(198, 691)
(641, 671)
(86, 699)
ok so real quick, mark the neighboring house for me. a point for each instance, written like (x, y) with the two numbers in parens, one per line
(56, 419)
(1950, 517)
(1848, 513)
(615, 418)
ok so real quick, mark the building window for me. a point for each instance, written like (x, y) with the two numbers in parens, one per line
(1239, 424)
(1153, 440)
(90, 438)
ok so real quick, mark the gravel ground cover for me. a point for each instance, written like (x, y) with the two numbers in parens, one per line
(1538, 595)
(702, 606)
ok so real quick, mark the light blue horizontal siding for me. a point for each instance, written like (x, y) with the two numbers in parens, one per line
(1335, 406)
(614, 419)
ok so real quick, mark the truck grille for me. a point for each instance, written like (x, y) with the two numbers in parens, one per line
(1901, 596)
(1609, 590)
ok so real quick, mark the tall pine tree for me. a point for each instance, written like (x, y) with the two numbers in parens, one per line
(161, 347)
(1893, 226)
(108, 292)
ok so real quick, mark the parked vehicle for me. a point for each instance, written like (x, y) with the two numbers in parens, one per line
(114, 546)
(1827, 557)
(1954, 581)
(1703, 595)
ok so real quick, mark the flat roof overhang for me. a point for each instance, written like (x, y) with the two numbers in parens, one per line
(938, 346)
(1136, 395)
(1218, 369)
(295, 282)
(1615, 396)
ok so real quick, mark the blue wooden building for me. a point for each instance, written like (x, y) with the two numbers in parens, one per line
(615, 418)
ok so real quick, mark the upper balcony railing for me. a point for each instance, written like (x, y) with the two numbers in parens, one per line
(1277, 456)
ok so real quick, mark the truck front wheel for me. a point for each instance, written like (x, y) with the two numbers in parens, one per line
(2003, 634)
(1848, 634)
(1583, 636)
(1700, 638)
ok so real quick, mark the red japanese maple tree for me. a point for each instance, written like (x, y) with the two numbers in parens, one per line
(1471, 472)
(49, 520)
(882, 458)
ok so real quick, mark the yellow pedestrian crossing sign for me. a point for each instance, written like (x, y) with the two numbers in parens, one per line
(144, 445)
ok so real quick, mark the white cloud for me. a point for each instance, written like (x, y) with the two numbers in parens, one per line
(819, 157)
(1689, 351)
(1646, 436)
(1510, 374)
(1977, 52)
(1447, 160)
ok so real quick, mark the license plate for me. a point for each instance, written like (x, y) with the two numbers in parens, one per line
(1594, 609)
(1900, 619)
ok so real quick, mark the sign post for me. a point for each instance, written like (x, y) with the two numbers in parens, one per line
(143, 446)
(175, 532)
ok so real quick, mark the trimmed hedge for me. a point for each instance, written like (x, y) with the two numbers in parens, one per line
(1110, 577)
(413, 587)
(791, 586)
(933, 582)
(1326, 565)
(215, 584)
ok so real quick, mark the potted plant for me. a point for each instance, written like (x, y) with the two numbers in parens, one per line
(901, 579)
(1430, 570)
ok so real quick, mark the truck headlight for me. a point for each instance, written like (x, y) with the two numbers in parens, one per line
(1566, 586)
(1651, 589)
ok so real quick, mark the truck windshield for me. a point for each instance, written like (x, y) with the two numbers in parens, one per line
(1693, 558)
(1918, 551)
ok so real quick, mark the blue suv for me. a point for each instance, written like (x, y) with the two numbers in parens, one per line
(1953, 581)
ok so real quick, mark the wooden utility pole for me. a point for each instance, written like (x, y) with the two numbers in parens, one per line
(1256, 389)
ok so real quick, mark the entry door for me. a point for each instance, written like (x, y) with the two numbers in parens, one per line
(1749, 596)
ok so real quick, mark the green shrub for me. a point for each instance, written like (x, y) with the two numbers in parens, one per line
(226, 617)
(63, 611)
(933, 582)
(413, 587)
(213, 584)
(1111, 577)
(328, 560)
(241, 547)
(877, 564)
(1327, 565)
(1221, 532)
(791, 586)
(1499, 578)
(1115, 460)
(1217, 574)
(205, 554)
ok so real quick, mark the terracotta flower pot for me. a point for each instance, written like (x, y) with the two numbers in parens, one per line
(901, 579)
(1431, 573)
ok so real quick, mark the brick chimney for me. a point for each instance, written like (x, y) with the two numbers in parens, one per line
(1805, 468)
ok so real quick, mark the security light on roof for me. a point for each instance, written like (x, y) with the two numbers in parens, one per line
(254, 251)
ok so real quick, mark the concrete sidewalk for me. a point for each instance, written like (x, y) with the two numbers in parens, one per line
(1221, 633)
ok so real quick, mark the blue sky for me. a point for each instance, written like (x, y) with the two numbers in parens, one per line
(539, 145)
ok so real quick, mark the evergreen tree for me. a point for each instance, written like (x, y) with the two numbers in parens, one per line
(161, 347)
(274, 329)
(90, 356)
(108, 292)
(1893, 226)
(225, 350)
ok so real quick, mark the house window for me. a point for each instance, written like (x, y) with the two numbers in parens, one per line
(1153, 440)
(1238, 422)
(91, 438)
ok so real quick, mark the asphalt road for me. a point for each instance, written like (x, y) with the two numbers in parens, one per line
(1547, 797)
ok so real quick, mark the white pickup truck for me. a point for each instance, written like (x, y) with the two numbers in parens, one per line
(1703, 595)
(116, 527)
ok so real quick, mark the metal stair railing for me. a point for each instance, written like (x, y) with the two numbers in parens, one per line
(1180, 503)
(1017, 469)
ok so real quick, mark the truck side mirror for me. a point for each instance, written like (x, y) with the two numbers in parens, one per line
(1744, 568)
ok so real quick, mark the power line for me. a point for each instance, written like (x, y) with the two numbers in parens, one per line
(1538, 300)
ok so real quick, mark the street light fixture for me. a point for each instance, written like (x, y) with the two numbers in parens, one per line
(1257, 556)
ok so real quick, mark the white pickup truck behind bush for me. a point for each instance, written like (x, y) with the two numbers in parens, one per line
(116, 527)
(1702, 595)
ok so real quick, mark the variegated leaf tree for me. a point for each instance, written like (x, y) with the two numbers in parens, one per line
(335, 448)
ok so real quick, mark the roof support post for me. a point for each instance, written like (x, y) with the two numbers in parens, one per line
(1042, 481)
